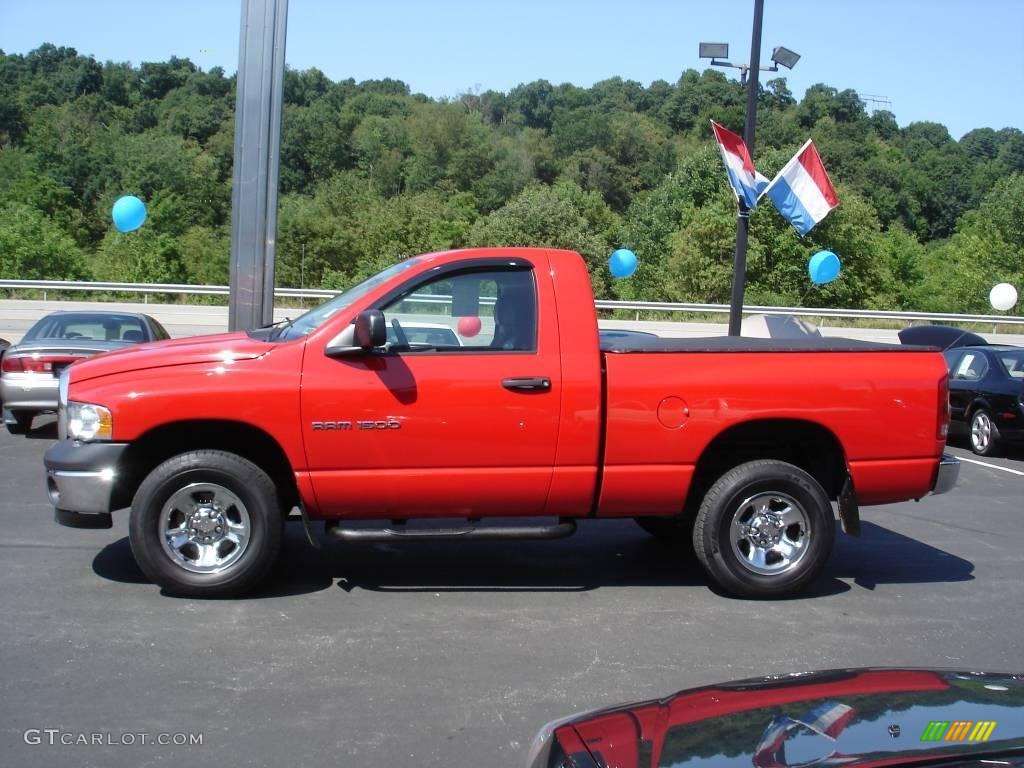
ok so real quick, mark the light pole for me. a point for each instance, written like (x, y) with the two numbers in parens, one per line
(788, 59)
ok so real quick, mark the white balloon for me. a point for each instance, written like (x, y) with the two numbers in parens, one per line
(1003, 297)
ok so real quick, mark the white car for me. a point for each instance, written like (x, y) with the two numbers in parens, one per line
(426, 334)
(31, 368)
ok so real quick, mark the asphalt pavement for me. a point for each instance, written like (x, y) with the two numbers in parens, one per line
(455, 654)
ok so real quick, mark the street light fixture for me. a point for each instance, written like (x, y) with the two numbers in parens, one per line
(788, 59)
(716, 51)
(785, 57)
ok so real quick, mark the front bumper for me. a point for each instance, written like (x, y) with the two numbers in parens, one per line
(80, 480)
(947, 474)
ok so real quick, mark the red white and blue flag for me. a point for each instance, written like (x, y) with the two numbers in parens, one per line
(746, 182)
(802, 190)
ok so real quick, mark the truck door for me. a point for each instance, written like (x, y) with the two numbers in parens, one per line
(457, 415)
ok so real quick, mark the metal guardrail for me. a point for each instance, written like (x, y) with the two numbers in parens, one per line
(146, 289)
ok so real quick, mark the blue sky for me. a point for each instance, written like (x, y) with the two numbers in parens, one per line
(957, 62)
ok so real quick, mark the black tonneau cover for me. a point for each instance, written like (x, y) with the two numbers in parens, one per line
(745, 344)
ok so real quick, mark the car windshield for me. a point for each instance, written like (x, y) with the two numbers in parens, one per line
(1013, 362)
(89, 327)
(310, 321)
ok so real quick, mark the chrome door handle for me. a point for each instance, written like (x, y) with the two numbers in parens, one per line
(527, 384)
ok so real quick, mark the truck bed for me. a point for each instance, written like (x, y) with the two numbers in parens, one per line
(634, 344)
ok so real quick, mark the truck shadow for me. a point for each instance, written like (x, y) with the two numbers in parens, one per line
(43, 429)
(601, 554)
(881, 556)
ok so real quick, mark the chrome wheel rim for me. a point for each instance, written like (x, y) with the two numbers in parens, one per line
(981, 431)
(204, 528)
(770, 533)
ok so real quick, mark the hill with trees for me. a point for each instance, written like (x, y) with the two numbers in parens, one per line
(372, 173)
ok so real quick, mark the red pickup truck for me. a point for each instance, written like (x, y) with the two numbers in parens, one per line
(523, 424)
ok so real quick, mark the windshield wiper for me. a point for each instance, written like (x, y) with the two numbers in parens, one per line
(280, 327)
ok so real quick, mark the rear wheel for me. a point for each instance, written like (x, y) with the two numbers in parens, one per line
(18, 422)
(984, 434)
(206, 524)
(764, 529)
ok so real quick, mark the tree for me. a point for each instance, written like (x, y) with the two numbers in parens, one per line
(987, 248)
(940, 182)
(656, 217)
(980, 144)
(553, 217)
(531, 102)
(142, 256)
(33, 247)
(206, 255)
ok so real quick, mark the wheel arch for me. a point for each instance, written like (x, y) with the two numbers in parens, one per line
(805, 444)
(167, 440)
(977, 402)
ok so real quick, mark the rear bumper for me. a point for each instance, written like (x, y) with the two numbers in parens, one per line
(947, 474)
(80, 481)
(28, 392)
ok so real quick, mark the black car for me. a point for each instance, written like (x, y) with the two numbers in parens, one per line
(986, 395)
(941, 336)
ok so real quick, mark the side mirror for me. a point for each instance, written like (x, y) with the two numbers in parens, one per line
(370, 329)
(367, 331)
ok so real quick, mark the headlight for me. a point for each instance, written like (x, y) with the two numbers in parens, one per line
(88, 422)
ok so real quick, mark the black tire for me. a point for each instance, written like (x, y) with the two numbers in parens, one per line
(792, 555)
(20, 422)
(983, 434)
(218, 487)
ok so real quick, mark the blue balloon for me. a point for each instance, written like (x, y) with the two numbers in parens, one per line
(622, 262)
(129, 213)
(823, 267)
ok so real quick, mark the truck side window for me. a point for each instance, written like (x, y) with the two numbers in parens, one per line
(476, 310)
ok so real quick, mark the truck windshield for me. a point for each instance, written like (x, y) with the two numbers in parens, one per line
(310, 321)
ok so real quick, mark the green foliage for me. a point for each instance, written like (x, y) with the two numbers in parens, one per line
(34, 247)
(371, 173)
(988, 248)
(563, 216)
(143, 256)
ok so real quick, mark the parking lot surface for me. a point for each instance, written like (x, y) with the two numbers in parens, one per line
(454, 654)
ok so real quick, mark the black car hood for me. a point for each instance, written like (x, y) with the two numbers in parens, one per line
(856, 717)
(941, 336)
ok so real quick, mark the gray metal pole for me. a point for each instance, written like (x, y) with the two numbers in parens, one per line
(259, 87)
(743, 216)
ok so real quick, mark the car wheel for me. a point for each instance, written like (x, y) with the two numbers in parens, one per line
(984, 435)
(764, 529)
(206, 524)
(18, 422)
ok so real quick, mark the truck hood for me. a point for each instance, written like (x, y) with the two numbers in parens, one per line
(161, 354)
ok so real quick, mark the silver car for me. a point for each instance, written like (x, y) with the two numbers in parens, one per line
(31, 368)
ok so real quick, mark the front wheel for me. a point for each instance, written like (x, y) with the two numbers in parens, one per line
(764, 529)
(206, 524)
